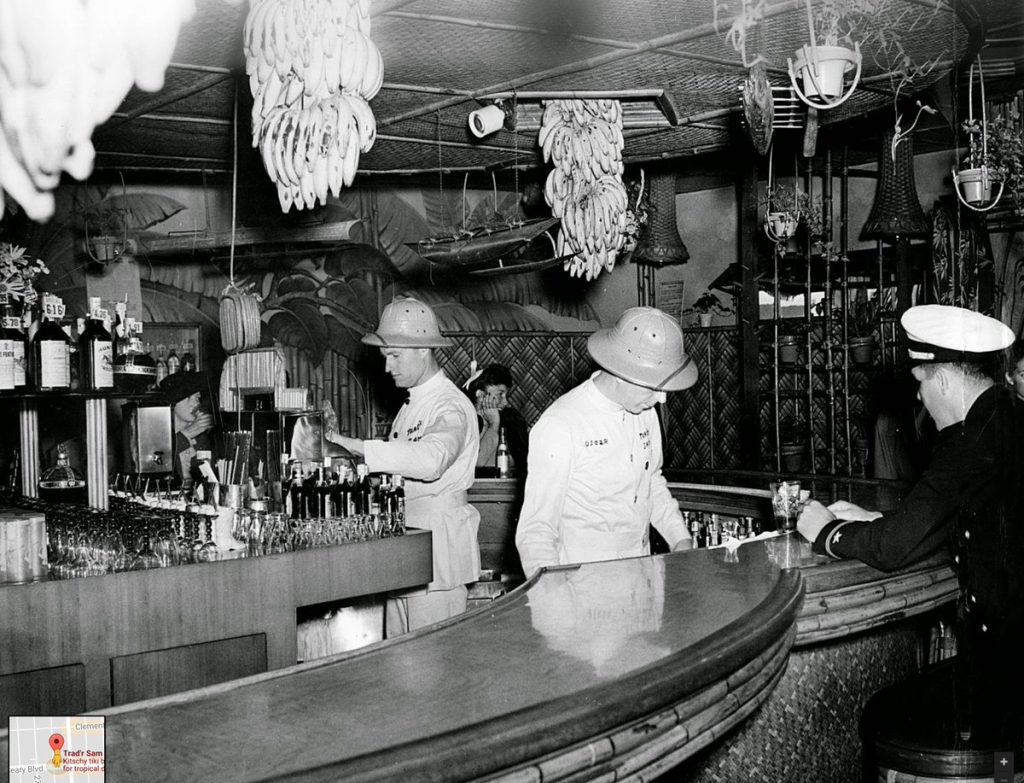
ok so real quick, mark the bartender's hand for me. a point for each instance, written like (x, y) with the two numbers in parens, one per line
(812, 519)
(845, 510)
(351, 445)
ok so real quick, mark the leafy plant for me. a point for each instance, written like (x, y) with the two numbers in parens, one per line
(708, 303)
(18, 273)
(863, 317)
(1006, 153)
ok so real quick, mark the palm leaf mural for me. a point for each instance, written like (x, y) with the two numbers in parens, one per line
(327, 302)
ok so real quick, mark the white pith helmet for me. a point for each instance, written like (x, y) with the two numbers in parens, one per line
(645, 347)
(407, 323)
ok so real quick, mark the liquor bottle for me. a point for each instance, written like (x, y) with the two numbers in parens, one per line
(96, 351)
(362, 489)
(309, 492)
(12, 328)
(161, 363)
(397, 503)
(346, 506)
(50, 354)
(188, 359)
(119, 330)
(293, 493)
(14, 474)
(323, 490)
(173, 362)
(134, 371)
(501, 455)
(6, 349)
(73, 331)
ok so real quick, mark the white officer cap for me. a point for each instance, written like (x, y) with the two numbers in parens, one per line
(942, 333)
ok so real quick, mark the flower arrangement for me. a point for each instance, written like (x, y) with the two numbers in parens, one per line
(18, 273)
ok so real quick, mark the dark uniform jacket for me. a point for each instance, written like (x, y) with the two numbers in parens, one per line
(968, 502)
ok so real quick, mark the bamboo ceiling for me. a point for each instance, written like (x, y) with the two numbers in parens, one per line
(443, 58)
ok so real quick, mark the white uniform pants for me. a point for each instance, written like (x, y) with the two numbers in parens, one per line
(415, 611)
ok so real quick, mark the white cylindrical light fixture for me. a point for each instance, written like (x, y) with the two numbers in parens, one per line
(485, 121)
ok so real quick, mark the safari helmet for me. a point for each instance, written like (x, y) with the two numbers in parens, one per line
(407, 323)
(645, 347)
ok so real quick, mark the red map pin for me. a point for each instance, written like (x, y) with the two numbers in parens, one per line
(56, 741)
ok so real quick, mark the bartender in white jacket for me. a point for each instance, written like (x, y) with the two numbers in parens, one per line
(433, 444)
(594, 484)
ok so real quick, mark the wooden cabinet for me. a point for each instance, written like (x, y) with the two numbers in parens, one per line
(85, 644)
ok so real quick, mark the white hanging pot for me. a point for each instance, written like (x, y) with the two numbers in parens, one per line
(819, 74)
(974, 187)
(780, 226)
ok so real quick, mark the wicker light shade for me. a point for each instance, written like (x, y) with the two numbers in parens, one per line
(897, 211)
(661, 245)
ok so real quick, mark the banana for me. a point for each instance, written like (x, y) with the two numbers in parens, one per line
(283, 148)
(297, 198)
(346, 63)
(350, 163)
(334, 169)
(308, 189)
(320, 180)
(359, 63)
(365, 120)
(347, 133)
(299, 145)
(374, 75)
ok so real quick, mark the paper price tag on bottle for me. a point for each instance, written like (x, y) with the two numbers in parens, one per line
(53, 307)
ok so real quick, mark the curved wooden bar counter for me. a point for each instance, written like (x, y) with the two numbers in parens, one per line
(636, 662)
(750, 664)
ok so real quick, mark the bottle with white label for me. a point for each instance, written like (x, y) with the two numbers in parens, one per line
(501, 456)
(13, 331)
(6, 350)
(96, 351)
(51, 356)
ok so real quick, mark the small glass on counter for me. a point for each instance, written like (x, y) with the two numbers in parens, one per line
(787, 502)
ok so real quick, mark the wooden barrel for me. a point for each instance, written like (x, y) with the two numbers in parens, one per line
(22, 547)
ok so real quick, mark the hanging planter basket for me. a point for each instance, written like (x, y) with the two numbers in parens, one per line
(974, 185)
(780, 226)
(819, 74)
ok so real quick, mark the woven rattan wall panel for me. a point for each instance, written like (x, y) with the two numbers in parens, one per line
(701, 423)
(544, 366)
(807, 730)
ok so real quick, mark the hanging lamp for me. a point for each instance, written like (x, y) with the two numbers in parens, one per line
(661, 244)
(896, 211)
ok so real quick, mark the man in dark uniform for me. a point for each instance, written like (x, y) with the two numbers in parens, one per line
(968, 502)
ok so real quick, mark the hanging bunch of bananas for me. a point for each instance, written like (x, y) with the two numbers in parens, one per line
(312, 71)
(583, 138)
(65, 67)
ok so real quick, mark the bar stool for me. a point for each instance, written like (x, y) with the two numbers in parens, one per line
(910, 735)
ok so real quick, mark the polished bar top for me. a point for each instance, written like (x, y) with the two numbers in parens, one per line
(573, 652)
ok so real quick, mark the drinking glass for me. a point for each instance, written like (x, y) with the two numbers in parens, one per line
(786, 504)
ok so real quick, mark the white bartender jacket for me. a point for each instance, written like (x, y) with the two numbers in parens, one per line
(433, 445)
(594, 484)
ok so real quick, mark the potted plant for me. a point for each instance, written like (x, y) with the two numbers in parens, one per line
(818, 74)
(791, 445)
(789, 348)
(978, 174)
(706, 306)
(862, 320)
(784, 205)
(1006, 154)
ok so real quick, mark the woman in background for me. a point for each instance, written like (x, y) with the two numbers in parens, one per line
(489, 392)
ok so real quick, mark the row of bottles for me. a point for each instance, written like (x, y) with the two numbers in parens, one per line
(321, 493)
(40, 350)
(714, 529)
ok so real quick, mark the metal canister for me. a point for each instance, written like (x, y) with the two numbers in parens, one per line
(22, 547)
